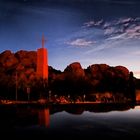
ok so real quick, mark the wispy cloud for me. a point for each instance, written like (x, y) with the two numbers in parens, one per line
(117, 34)
(105, 35)
(80, 42)
(133, 32)
(93, 23)
(106, 44)
(125, 28)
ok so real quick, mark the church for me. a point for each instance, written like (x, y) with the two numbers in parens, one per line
(42, 61)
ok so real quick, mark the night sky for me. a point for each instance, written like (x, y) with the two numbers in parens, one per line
(87, 31)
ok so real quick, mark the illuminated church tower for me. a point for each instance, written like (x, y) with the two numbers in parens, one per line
(42, 61)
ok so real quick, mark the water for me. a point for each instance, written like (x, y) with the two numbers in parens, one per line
(71, 121)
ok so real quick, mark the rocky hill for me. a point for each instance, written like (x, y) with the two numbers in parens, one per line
(74, 79)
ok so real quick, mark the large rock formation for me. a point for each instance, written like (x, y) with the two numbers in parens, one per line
(27, 58)
(97, 77)
(7, 60)
(74, 71)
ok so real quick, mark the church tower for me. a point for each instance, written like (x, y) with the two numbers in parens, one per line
(42, 61)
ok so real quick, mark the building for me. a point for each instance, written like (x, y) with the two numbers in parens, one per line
(42, 61)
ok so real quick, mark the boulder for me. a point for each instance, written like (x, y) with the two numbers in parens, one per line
(74, 70)
(7, 59)
(27, 58)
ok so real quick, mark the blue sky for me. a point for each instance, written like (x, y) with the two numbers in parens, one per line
(104, 31)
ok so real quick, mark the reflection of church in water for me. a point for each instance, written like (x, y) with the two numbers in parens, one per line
(44, 117)
(32, 116)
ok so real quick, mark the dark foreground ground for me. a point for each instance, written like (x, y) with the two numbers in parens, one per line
(99, 133)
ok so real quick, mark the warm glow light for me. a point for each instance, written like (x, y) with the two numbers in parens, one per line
(137, 107)
(137, 74)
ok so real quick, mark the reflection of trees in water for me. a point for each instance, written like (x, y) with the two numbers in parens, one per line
(79, 109)
(30, 116)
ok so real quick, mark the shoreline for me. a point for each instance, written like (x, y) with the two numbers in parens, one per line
(13, 102)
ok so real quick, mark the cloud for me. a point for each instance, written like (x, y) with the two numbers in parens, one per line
(109, 31)
(105, 35)
(80, 42)
(93, 23)
(106, 44)
(133, 32)
(116, 37)
(121, 28)
(124, 20)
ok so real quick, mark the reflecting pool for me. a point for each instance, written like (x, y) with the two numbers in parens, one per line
(71, 121)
